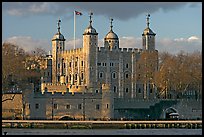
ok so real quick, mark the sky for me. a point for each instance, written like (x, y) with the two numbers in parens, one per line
(178, 25)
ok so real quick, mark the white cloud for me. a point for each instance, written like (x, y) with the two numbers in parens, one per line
(172, 46)
(193, 38)
(28, 43)
(70, 44)
(130, 42)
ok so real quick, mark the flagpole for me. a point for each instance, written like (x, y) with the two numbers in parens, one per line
(74, 28)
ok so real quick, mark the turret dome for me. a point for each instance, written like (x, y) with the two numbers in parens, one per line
(111, 34)
(58, 35)
(90, 29)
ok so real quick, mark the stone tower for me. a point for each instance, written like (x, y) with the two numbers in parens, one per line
(148, 37)
(58, 43)
(90, 48)
(148, 61)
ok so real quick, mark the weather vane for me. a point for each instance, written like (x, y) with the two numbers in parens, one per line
(111, 23)
(59, 25)
(148, 15)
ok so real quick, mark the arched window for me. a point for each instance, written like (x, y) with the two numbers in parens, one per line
(126, 75)
(82, 76)
(114, 75)
(114, 89)
(101, 75)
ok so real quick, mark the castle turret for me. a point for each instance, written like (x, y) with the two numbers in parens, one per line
(58, 43)
(111, 39)
(90, 42)
(148, 37)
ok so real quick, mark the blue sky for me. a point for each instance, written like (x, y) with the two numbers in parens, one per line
(178, 25)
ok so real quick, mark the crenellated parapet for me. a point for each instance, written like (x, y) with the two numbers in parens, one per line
(121, 50)
(73, 51)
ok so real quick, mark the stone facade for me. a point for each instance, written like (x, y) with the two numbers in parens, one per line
(95, 82)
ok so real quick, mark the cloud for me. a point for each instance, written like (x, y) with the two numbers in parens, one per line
(130, 42)
(118, 10)
(70, 44)
(29, 44)
(172, 46)
(193, 38)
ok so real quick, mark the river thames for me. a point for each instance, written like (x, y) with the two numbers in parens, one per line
(172, 131)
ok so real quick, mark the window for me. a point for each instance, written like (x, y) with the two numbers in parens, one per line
(28, 106)
(96, 91)
(100, 74)
(64, 65)
(76, 64)
(68, 106)
(79, 106)
(58, 78)
(82, 76)
(58, 65)
(126, 65)
(70, 64)
(55, 106)
(97, 106)
(36, 106)
(75, 76)
(113, 75)
(150, 90)
(48, 73)
(107, 106)
(126, 75)
(99, 64)
(139, 90)
(111, 64)
(126, 90)
(82, 63)
(114, 89)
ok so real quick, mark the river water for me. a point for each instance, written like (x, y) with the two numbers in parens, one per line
(172, 131)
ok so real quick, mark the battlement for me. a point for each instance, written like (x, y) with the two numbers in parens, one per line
(130, 50)
(73, 51)
(101, 49)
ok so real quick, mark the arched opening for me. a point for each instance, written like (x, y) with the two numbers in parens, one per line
(171, 113)
(66, 117)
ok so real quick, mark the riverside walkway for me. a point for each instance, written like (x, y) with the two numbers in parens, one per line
(102, 124)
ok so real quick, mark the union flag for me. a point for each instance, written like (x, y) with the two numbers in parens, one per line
(78, 13)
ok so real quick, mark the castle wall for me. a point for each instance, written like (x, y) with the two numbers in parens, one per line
(77, 105)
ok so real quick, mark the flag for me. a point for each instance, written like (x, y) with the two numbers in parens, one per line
(78, 13)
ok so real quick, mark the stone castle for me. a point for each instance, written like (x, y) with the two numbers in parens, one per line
(90, 67)
(107, 82)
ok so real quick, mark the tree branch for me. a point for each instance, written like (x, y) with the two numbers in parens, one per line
(9, 98)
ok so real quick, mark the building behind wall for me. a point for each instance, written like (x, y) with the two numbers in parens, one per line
(100, 74)
(104, 83)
